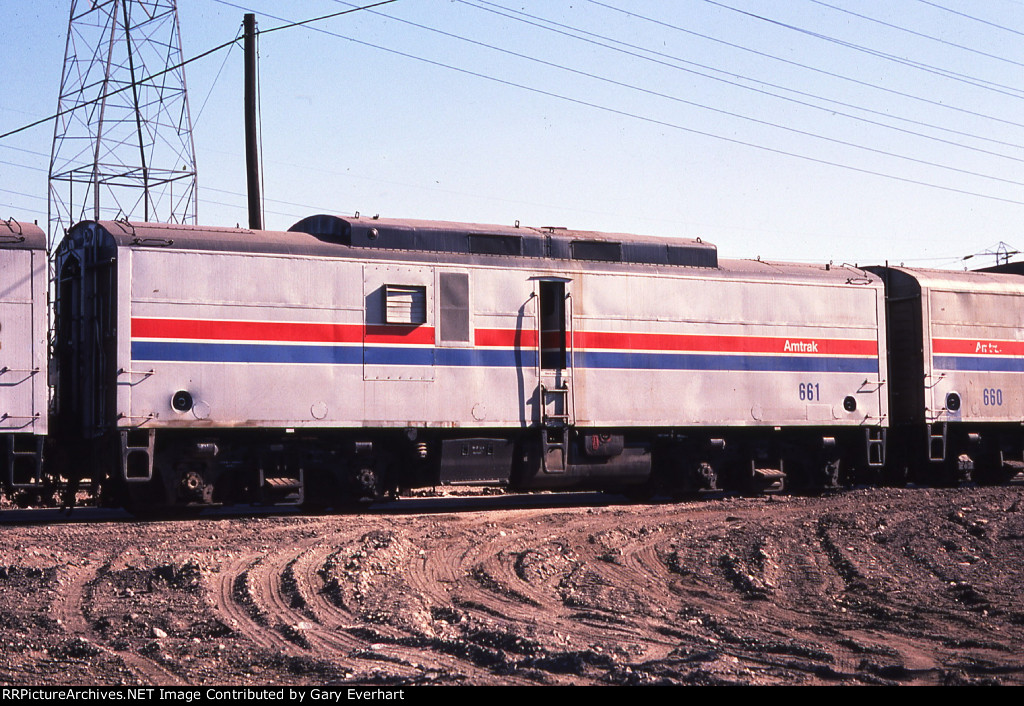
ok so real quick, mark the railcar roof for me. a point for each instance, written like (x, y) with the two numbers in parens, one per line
(435, 239)
(323, 235)
(21, 236)
(764, 269)
(964, 281)
(480, 239)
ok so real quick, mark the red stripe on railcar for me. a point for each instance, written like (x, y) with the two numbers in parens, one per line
(298, 332)
(725, 344)
(976, 346)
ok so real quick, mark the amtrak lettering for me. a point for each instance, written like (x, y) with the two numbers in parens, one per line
(801, 346)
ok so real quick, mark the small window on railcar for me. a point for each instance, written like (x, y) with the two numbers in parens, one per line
(405, 305)
(487, 244)
(600, 250)
(453, 288)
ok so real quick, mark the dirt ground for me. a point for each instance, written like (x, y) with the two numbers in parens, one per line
(908, 586)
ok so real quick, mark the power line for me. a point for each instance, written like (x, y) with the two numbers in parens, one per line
(658, 94)
(28, 196)
(971, 17)
(789, 62)
(216, 78)
(122, 89)
(579, 102)
(23, 166)
(795, 101)
(917, 34)
(186, 62)
(956, 76)
(306, 207)
(654, 121)
(323, 17)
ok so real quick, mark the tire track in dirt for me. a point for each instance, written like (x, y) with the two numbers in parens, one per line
(288, 591)
(739, 603)
(67, 609)
(890, 633)
(951, 565)
(286, 603)
(890, 586)
(475, 573)
(232, 599)
(367, 651)
(70, 611)
(477, 597)
(519, 575)
(478, 607)
(458, 640)
(837, 555)
(514, 572)
(620, 590)
(436, 570)
(639, 566)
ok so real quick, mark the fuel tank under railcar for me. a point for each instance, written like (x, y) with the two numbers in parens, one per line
(23, 353)
(956, 349)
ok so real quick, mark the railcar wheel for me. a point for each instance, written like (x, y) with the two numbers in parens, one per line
(705, 477)
(366, 484)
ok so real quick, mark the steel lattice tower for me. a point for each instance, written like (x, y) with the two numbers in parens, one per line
(122, 144)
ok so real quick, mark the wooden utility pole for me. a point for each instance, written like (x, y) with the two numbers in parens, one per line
(252, 163)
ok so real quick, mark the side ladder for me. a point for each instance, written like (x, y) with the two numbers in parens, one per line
(554, 433)
(937, 442)
(875, 440)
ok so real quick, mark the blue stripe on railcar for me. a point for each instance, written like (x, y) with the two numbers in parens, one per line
(188, 352)
(176, 351)
(748, 363)
(981, 364)
(486, 357)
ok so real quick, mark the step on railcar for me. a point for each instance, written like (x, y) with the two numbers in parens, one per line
(351, 357)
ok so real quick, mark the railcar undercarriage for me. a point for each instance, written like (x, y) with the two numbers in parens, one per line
(156, 470)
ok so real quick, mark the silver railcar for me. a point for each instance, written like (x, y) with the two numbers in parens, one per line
(348, 357)
(24, 418)
(956, 357)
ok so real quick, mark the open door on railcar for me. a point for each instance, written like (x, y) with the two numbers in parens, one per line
(554, 393)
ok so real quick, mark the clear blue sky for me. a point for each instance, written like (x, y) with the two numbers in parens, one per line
(807, 146)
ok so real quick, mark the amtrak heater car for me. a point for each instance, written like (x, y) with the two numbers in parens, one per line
(349, 357)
